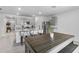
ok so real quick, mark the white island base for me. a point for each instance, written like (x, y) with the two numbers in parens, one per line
(60, 46)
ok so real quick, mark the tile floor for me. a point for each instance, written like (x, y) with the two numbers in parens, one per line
(69, 48)
(7, 44)
(76, 50)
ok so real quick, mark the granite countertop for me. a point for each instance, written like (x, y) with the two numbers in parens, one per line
(58, 38)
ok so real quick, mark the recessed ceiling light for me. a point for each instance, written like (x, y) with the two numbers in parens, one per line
(19, 9)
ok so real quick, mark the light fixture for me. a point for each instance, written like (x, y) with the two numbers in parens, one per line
(18, 12)
(19, 9)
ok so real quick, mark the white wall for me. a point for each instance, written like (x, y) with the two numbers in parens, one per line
(68, 22)
(2, 24)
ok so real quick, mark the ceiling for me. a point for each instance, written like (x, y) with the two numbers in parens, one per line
(36, 10)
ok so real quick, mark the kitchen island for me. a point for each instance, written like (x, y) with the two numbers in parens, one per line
(44, 44)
